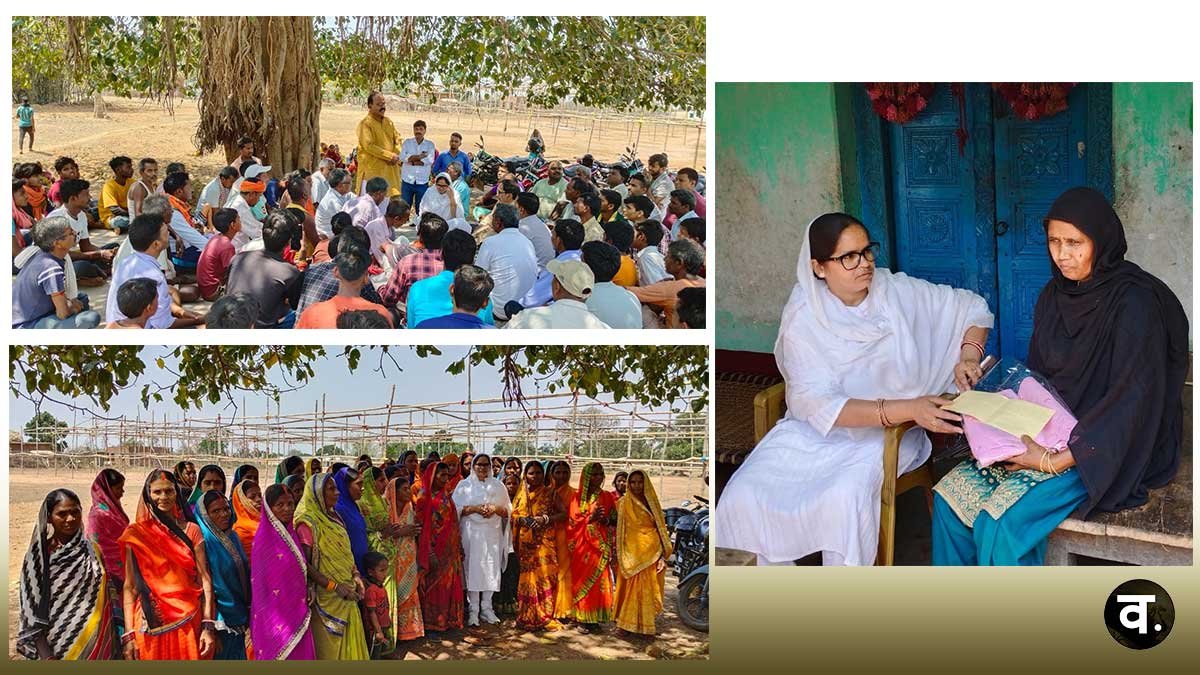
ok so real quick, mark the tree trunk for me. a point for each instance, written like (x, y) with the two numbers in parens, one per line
(258, 79)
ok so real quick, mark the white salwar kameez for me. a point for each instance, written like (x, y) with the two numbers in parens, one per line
(486, 542)
(809, 485)
(436, 202)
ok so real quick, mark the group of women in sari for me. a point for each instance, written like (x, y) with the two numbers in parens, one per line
(206, 570)
(862, 349)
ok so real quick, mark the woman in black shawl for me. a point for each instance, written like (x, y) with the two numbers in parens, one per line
(1112, 339)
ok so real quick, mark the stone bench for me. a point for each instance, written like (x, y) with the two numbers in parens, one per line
(1158, 532)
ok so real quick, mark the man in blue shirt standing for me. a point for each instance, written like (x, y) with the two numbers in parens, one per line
(25, 123)
(470, 291)
(445, 159)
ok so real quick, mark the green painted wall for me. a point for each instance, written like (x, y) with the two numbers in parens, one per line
(777, 153)
(1152, 179)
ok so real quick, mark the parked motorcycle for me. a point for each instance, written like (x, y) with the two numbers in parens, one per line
(690, 560)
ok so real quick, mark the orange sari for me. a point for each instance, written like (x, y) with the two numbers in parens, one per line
(537, 588)
(406, 606)
(564, 600)
(591, 553)
(166, 613)
(246, 525)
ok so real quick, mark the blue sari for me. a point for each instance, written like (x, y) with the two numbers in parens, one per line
(356, 526)
(230, 573)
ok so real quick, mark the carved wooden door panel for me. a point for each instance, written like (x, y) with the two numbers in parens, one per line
(1036, 161)
(942, 198)
(973, 218)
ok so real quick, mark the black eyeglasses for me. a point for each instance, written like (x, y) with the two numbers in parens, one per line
(851, 261)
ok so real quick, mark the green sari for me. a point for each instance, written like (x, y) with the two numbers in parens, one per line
(375, 513)
(337, 624)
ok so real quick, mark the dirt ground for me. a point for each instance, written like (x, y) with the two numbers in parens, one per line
(140, 129)
(27, 487)
(143, 129)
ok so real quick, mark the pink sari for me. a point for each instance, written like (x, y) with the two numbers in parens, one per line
(279, 613)
(105, 523)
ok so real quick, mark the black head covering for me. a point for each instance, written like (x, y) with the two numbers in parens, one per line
(1115, 347)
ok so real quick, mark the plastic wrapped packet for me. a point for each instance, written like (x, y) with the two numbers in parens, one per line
(1008, 377)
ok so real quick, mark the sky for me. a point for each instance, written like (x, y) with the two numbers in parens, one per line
(423, 380)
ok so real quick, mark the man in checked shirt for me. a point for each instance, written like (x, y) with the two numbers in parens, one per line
(421, 264)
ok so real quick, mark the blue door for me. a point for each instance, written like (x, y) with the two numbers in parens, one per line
(936, 193)
(1036, 161)
(973, 219)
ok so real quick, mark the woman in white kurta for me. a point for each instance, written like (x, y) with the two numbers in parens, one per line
(483, 508)
(859, 349)
(443, 200)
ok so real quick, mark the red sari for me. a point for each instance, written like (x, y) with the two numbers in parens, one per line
(591, 551)
(440, 558)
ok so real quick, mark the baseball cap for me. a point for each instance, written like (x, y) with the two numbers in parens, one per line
(574, 276)
(257, 170)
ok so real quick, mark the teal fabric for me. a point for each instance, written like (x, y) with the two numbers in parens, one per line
(25, 116)
(230, 572)
(1018, 537)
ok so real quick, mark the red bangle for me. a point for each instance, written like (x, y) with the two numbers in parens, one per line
(974, 344)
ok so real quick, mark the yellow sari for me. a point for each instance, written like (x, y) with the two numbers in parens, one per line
(642, 540)
(337, 624)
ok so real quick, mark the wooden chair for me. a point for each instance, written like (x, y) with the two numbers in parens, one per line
(769, 407)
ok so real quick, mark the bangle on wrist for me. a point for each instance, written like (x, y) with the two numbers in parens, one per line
(971, 343)
(330, 585)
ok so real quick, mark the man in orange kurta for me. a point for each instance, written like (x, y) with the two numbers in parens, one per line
(378, 146)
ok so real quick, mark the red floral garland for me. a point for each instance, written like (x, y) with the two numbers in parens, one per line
(899, 102)
(1034, 100)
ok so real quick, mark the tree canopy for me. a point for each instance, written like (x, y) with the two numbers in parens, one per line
(212, 374)
(624, 62)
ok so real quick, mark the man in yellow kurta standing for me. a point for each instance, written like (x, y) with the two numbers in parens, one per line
(378, 146)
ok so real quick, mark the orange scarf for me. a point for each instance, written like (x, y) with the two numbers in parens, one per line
(182, 208)
(246, 525)
(37, 201)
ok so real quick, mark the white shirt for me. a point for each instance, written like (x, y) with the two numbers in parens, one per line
(133, 207)
(615, 306)
(191, 236)
(251, 226)
(139, 265)
(126, 250)
(542, 292)
(330, 204)
(660, 190)
(362, 210)
(211, 195)
(319, 186)
(485, 541)
(509, 257)
(651, 266)
(418, 175)
(78, 223)
(565, 313)
(538, 234)
(680, 219)
(593, 230)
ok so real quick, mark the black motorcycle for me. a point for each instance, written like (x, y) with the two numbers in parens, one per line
(690, 560)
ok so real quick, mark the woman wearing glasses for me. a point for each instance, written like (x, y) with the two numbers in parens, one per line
(860, 349)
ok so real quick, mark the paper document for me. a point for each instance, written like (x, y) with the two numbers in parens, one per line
(1011, 415)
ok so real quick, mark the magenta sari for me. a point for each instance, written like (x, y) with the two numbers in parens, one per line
(279, 612)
